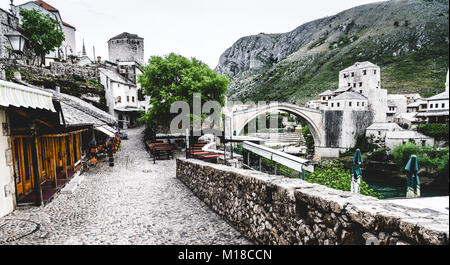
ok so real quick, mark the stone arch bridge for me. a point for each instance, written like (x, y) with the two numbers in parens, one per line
(333, 131)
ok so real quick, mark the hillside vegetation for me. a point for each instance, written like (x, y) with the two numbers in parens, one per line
(408, 39)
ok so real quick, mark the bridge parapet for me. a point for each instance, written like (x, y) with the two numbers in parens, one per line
(273, 105)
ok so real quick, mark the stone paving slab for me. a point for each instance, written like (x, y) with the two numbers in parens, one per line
(134, 203)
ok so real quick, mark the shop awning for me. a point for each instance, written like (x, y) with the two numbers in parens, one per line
(16, 95)
(106, 130)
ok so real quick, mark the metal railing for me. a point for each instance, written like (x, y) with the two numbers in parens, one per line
(290, 161)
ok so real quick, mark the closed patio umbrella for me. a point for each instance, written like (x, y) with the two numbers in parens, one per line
(356, 172)
(412, 180)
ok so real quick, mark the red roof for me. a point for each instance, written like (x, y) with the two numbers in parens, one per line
(68, 25)
(45, 5)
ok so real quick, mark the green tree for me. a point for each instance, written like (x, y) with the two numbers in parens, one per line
(439, 131)
(43, 32)
(432, 159)
(308, 138)
(175, 78)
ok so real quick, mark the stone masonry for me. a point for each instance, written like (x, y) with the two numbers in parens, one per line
(277, 210)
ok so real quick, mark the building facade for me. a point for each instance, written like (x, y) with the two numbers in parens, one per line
(68, 46)
(122, 98)
(437, 107)
(362, 78)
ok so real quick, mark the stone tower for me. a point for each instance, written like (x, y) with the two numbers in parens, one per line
(126, 47)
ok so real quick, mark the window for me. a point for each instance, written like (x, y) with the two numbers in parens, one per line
(360, 91)
(360, 84)
(443, 105)
(324, 98)
(364, 72)
(349, 84)
(354, 84)
(374, 72)
(332, 105)
(339, 104)
(363, 104)
(119, 99)
(132, 99)
(350, 104)
(436, 105)
(357, 104)
(431, 106)
(353, 74)
(128, 98)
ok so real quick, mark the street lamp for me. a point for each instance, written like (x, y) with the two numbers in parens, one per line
(17, 42)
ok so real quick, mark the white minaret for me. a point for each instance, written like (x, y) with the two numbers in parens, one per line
(446, 83)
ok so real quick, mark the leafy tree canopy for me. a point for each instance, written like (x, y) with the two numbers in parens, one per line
(175, 78)
(43, 32)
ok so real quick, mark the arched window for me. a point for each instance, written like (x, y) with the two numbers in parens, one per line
(119, 99)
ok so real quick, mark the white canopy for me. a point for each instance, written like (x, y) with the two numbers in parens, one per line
(16, 95)
(106, 130)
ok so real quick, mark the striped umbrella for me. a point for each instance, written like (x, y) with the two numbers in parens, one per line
(412, 180)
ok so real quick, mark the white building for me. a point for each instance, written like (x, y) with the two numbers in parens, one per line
(362, 78)
(396, 138)
(68, 46)
(121, 96)
(408, 118)
(378, 131)
(438, 107)
(418, 106)
(396, 104)
(349, 101)
(313, 104)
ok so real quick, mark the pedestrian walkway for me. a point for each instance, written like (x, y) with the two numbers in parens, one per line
(135, 202)
(439, 204)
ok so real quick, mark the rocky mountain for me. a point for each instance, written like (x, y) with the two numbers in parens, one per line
(408, 39)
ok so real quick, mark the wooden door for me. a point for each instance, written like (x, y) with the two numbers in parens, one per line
(23, 165)
(17, 162)
(28, 175)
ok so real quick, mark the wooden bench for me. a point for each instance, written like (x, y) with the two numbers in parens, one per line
(157, 150)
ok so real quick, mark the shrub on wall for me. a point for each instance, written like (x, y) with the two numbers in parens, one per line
(335, 176)
(439, 131)
(378, 155)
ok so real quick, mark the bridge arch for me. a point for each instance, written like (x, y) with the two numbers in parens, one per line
(313, 118)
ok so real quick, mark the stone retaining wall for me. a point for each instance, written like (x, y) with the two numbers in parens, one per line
(63, 69)
(277, 210)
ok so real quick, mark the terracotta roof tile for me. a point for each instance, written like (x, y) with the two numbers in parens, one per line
(45, 5)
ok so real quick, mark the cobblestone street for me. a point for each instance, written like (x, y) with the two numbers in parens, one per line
(135, 202)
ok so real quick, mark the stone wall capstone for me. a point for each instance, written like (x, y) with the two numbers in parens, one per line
(277, 210)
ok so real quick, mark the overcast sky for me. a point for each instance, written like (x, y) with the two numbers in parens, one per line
(193, 28)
